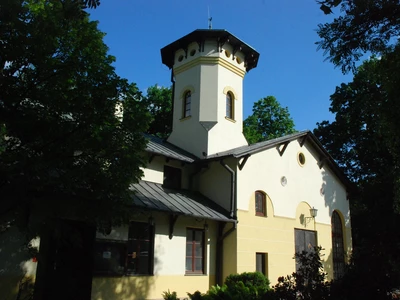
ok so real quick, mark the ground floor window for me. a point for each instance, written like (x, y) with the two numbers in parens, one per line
(195, 251)
(305, 240)
(133, 256)
(261, 263)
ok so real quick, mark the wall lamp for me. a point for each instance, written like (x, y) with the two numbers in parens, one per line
(313, 214)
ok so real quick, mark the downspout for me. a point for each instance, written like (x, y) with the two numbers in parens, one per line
(220, 250)
(221, 235)
(173, 97)
(232, 213)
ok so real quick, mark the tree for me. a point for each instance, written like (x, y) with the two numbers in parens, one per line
(362, 26)
(269, 120)
(364, 140)
(63, 151)
(159, 104)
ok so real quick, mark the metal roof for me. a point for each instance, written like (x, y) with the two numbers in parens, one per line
(258, 147)
(200, 35)
(159, 146)
(153, 196)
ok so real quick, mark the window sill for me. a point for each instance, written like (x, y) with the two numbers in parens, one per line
(185, 118)
(195, 274)
(231, 120)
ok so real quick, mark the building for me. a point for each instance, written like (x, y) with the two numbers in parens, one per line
(212, 205)
(209, 204)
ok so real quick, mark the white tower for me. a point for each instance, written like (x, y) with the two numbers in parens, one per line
(208, 67)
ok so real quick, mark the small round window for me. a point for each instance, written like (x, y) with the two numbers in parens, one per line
(238, 60)
(301, 158)
(180, 58)
(227, 53)
(193, 52)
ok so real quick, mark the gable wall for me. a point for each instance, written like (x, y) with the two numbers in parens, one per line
(287, 208)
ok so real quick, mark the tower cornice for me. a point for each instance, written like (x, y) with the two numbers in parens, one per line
(220, 36)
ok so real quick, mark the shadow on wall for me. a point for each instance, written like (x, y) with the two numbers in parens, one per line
(330, 192)
(125, 287)
(15, 265)
(122, 288)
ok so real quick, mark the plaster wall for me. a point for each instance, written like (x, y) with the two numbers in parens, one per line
(264, 171)
(214, 182)
(154, 171)
(287, 208)
(169, 263)
(207, 75)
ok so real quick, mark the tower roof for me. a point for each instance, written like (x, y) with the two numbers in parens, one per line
(221, 36)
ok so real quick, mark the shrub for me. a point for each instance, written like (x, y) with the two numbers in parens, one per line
(169, 296)
(195, 296)
(308, 282)
(249, 279)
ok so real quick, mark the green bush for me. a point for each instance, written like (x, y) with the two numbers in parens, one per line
(307, 283)
(169, 296)
(195, 296)
(251, 280)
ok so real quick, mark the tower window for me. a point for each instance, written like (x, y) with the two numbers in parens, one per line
(229, 106)
(187, 104)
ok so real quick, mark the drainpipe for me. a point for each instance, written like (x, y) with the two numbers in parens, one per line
(232, 213)
(173, 97)
(220, 250)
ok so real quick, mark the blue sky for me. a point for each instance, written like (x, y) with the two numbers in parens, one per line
(282, 31)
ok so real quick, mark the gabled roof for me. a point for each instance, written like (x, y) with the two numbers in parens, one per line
(159, 146)
(153, 196)
(200, 35)
(258, 147)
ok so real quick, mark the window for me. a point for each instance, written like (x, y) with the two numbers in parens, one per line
(126, 257)
(195, 251)
(187, 100)
(229, 106)
(261, 263)
(305, 240)
(261, 209)
(172, 177)
(337, 246)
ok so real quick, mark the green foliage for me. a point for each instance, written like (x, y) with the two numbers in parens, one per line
(365, 141)
(63, 152)
(159, 104)
(169, 296)
(249, 279)
(269, 120)
(308, 282)
(360, 27)
(195, 296)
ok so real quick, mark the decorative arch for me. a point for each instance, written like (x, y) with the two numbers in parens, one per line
(338, 254)
(186, 89)
(229, 89)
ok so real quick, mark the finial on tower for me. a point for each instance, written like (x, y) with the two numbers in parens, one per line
(209, 19)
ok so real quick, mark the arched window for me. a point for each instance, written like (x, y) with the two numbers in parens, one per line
(187, 101)
(261, 207)
(337, 246)
(229, 106)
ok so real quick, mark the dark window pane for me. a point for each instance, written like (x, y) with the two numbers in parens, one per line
(198, 236)
(189, 264)
(189, 249)
(199, 250)
(172, 177)
(199, 264)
